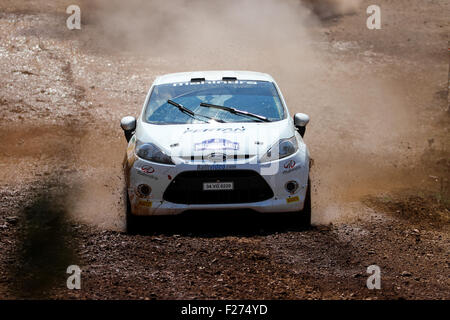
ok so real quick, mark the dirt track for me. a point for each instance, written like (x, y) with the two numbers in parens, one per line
(379, 137)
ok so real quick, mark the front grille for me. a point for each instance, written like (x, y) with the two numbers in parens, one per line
(187, 187)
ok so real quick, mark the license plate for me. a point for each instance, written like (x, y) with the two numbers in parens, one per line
(207, 186)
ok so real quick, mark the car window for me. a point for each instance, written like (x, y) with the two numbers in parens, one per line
(258, 97)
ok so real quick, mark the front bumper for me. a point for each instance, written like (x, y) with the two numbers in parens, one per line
(159, 177)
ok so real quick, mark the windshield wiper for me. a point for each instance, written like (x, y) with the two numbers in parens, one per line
(235, 111)
(191, 113)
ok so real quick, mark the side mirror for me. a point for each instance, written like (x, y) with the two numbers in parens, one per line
(128, 125)
(300, 122)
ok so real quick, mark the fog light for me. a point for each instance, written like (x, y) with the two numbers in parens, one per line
(143, 190)
(291, 186)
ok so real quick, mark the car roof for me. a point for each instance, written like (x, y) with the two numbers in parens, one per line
(213, 76)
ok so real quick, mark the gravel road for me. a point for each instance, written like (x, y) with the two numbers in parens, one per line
(379, 137)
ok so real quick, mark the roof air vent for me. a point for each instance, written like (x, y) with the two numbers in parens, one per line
(197, 79)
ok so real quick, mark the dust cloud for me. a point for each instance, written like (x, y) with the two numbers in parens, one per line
(326, 9)
(210, 34)
(357, 120)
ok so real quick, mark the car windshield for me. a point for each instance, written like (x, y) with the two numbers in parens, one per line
(257, 97)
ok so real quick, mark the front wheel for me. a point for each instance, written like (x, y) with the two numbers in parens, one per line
(131, 220)
(304, 216)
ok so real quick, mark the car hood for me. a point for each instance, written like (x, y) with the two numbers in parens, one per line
(198, 140)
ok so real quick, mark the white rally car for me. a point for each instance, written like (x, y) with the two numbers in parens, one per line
(216, 140)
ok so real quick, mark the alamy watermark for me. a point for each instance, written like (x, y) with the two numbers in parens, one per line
(74, 280)
(374, 280)
(74, 20)
(374, 20)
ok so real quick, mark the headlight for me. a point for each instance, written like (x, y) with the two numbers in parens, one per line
(280, 150)
(149, 151)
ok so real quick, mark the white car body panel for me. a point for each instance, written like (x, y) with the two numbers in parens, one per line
(186, 144)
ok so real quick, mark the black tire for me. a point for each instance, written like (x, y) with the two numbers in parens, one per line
(131, 220)
(304, 216)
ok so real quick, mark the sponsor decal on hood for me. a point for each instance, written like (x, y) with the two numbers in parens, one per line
(216, 144)
(223, 130)
(195, 139)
